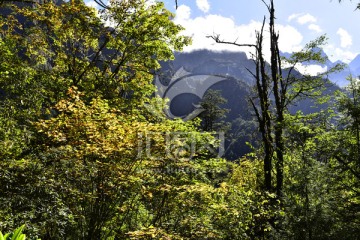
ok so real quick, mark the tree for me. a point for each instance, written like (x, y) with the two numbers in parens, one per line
(91, 177)
(70, 46)
(82, 158)
(90, 158)
(310, 184)
(213, 112)
(358, 6)
(344, 139)
(285, 88)
(43, 53)
(348, 105)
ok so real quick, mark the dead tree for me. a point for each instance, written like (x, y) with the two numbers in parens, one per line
(274, 92)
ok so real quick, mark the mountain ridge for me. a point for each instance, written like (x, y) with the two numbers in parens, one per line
(236, 67)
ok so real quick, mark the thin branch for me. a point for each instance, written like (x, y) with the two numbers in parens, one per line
(217, 39)
(252, 74)
(101, 4)
(346, 165)
(258, 116)
(267, 5)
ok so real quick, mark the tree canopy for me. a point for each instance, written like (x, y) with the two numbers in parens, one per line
(84, 156)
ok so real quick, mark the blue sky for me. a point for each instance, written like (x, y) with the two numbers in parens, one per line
(298, 22)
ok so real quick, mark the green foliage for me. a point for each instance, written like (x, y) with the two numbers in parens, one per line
(320, 200)
(56, 47)
(16, 235)
(213, 111)
(88, 166)
(82, 156)
(305, 86)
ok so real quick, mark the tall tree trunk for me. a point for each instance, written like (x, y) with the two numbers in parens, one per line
(279, 95)
(263, 114)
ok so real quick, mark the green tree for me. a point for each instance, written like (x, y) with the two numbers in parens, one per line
(344, 139)
(349, 106)
(55, 47)
(286, 88)
(82, 156)
(98, 173)
(213, 111)
(52, 48)
(320, 196)
(91, 159)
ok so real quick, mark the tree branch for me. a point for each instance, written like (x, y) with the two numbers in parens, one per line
(217, 39)
(346, 165)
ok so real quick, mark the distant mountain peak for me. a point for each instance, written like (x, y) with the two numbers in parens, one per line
(355, 63)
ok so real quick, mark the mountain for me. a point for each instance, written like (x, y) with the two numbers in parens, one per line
(355, 63)
(354, 66)
(234, 64)
(236, 87)
(233, 67)
(339, 78)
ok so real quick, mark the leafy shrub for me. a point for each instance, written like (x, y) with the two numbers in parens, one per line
(16, 235)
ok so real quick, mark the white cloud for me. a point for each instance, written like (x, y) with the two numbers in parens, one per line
(294, 16)
(345, 56)
(302, 18)
(201, 27)
(345, 38)
(308, 69)
(307, 18)
(335, 53)
(203, 5)
(315, 27)
(183, 13)
(312, 70)
(290, 38)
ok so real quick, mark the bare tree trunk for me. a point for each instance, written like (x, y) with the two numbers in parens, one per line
(263, 114)
(271, 121)
(279, 95)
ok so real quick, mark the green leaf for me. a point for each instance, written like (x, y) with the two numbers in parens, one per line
(17, 233)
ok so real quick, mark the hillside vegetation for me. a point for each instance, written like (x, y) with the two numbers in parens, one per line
(87, 152)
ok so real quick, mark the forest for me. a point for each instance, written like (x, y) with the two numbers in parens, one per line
(87, 150)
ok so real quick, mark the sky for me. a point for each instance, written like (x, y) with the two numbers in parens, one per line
(298, 22)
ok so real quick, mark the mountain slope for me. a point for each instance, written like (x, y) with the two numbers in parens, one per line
(236, 89)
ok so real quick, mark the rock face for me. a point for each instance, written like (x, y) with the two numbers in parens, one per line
(232, 64)
(236, 88)
(229, 66)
